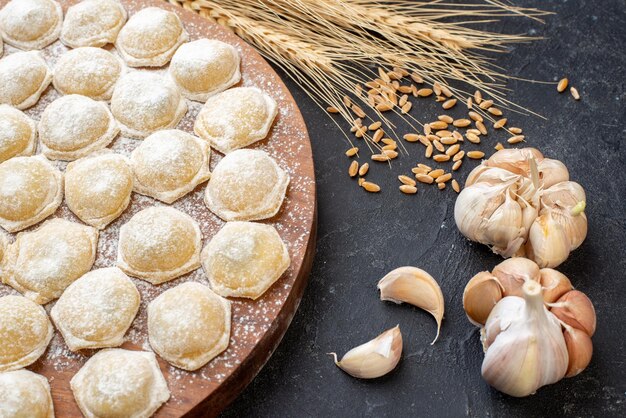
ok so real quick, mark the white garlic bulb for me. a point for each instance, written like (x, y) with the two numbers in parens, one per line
(520, 203)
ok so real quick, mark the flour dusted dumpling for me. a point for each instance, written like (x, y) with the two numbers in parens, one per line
(93, 23)
(74, 126)
(169, 164)
(150, 37)
(31, 24)
(23, 77)
(96, 310)
(90, 72)
(144, 102)
(159, 244)
(189, 325)
(236, 118)
(117, 383)
(43, 262)
(25, 332)
(24, 394)
(205, 67)
(244, 259)
(246, 185)
(98, 187)
(17, 133)
(31, 189)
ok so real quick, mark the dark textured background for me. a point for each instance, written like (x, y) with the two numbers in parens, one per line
(362, 236)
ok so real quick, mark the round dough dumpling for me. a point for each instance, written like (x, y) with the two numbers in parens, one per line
(25, 332)
(23, 77)
(246, 185)
(24, 394)
(117, 383)
(236, 118)
(43, 262)
(96, 310)
(205, 67)
(90, 72)
(189, 325)
(159, 244)
(17, 133)
(150, 37)
(31, 24)
(144, 102)
(244, 259)
(169, 164)
(98, 187)
(93, 23)
(74, 126)
(31, 189)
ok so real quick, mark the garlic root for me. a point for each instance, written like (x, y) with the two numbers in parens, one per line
(375, 358)
(416, 287)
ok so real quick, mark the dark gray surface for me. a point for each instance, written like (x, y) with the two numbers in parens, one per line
(363, 236)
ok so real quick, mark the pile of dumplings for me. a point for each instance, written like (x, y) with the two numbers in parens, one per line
(106, 89)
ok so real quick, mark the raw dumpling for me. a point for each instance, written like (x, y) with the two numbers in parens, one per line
(93, 23)
(74, 126)
(246, 185)
(43, 262)
(236, 118)
(205, 67)
(169, 164)
(31, 189)
(17, 133)
(189, 325)
(96, 310)
(159, 244)
(25, 332)
(117, 383)
(91, 72)
(23, 77)
(98, 187)
(150, 37)
(144, 102)
(24, 394)
(244, 259)
(31, 24)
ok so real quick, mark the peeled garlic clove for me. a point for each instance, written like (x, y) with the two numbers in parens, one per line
(375, 358)
(579, 348)
(576, 310)
(515, 160)
(480, 296)
(524, 345)
(552, 172)
(555, 284)
(547, 244)
(415, 286)
(513, 273)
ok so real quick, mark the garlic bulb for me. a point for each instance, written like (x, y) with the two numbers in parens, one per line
(375, 358)
(535, 328)
(520, 203)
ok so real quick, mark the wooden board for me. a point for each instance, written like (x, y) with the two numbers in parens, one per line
(257, 326)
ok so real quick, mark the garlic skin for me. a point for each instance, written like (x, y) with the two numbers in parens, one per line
(416, 287)
(375, 358)
(520, 203)
(524, 345)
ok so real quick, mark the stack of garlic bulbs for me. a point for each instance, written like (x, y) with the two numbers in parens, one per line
(535, 328)
(522, 204)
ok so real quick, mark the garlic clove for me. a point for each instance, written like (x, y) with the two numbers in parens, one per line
(564, 194)
(475, 205)
(552, 172)
(548, 243)
(579, 348)
(576, 310)
(481, 294)
(515, 160)
(490, 175)
(555, 284)
(375, 358)
(505, 227)
(513, 273)
(416, 287)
